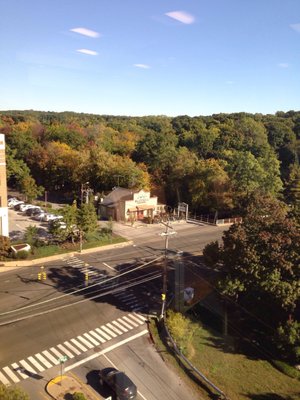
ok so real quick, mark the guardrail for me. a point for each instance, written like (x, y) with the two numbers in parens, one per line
(191, 366)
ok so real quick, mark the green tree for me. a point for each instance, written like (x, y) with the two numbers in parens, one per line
(87, 218)
(249, 174)
(210, 186)
(12, 393)
(31, 234)
(29, 188)
(260, 259)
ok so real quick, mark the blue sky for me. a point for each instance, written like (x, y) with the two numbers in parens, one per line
(158, 57)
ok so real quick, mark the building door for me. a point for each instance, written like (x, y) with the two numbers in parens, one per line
(140, 214)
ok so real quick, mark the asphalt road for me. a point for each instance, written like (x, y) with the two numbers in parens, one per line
(69, 314)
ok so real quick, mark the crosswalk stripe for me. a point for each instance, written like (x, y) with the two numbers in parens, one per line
(50, 357)
(79, 345)
(132, 302)
(66, 351)
(141, 317)
(19, 369)
(127, 296)
(103, 334)
(91, 339)
(56, 352)
(136, 319)
(12, 376)
(125, 323)
(97, 336)
(43, 360)
(120, 326)
(27, 366)
(130, 321)
(85, 342)
(111, 333)
(36, 364)
(114, 329)
(3, 379)
(76, 351)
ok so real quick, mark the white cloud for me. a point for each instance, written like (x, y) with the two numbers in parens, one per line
(88, 52)
(181, 16)
(283, 65)
(296, 27)
(145, 66)
(85, 32)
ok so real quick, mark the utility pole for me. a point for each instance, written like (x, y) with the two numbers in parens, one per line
(166, 234)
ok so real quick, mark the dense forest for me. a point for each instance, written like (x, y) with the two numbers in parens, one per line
(213, 163)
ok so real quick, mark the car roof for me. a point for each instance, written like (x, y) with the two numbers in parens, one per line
(121, 379)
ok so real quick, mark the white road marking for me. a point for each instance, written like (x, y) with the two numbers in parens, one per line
(79, 345)
(50, 357)
(108, 349)
(43, 360)
(85, 342)
(36, 364)
(76, 351)
(130, 322)
(120, 326)
(66, 351)
(19, 369)
(3, 379)
(108, 266)
(103, 333)
(97, 336)
(91, 339)
(136, 319)
(125, 323)
(56, 352)
(12, 376)
(111, 333)
(114, 329)
(27, 366)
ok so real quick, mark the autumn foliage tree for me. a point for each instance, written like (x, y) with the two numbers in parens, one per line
(259, 262)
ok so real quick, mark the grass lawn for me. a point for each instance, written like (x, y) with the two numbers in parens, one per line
(239, 376)
(92, 242)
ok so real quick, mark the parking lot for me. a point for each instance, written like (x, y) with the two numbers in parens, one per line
(19, 221)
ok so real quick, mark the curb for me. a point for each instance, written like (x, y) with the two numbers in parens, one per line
(27, 263)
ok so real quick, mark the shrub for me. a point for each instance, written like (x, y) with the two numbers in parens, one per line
(4, 246)
(21, 255)
(182, 330)
(78, 396)
(286, 369)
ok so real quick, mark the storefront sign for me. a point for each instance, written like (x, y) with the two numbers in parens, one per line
(141, 197)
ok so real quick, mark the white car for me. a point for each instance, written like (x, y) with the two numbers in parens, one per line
(24, 207)
(39, 216)
(13, 202)
(51, 217)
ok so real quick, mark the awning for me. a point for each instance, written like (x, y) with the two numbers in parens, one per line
(141, 207)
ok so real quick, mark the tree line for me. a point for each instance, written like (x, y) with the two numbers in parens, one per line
(213, 163)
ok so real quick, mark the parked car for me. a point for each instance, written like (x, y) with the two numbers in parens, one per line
(57, 223)
(119, 383)
(24, 207)
(15, 204)
(32, 210)
(38, 216)
(49, 217)
(12, 201)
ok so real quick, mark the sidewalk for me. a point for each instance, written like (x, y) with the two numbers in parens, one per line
(61, 388)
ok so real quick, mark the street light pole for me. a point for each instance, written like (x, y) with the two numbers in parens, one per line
(165, 270)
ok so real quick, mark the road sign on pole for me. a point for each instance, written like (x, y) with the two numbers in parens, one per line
(62, 360)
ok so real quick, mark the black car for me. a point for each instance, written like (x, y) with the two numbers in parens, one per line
(119, 383)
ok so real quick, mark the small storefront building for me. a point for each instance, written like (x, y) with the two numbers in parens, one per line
(130, 205)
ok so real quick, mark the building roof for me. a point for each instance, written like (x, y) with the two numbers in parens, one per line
(118, 194)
